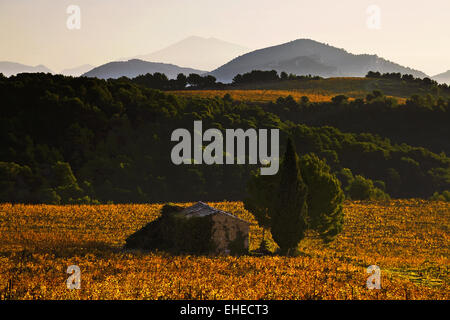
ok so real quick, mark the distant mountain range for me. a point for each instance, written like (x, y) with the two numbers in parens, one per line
(12, 68)
(77, 71)
(442, 77)
(300, 57)
(135, 67)
(306, 56)
(197, 52)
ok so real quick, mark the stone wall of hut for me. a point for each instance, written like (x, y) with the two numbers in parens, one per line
(225, 230)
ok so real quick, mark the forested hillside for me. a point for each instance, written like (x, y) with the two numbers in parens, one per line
(81, 140)
(420, 121)
(306, 56)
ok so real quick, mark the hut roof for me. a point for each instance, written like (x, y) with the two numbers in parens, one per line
(201, 209)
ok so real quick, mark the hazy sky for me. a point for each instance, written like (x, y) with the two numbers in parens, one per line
(414, 33)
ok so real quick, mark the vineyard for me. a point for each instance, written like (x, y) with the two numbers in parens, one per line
(257, 95)
(407, 239)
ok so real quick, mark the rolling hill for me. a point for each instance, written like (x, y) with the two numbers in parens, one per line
(304, 56)
(197, 52)
(12, 68)
(135, 67)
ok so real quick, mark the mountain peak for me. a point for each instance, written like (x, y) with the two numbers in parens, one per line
(135, 67)
(9, 68)
(197, 52)
(307, 56)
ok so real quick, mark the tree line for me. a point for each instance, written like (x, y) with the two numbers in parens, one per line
(408, 78)
(195, 81)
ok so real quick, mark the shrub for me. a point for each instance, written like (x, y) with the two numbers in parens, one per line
(445, 196)
(363, 189)
(325, 197)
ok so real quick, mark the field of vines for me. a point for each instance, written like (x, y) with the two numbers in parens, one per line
(257, 95)
(407, 239)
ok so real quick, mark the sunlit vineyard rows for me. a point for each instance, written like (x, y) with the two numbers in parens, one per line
(313, 94)
(258, 95)
(407, 239)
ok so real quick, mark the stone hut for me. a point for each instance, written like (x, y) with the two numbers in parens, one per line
(199, 229)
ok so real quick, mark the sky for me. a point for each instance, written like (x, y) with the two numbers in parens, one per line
(410, 32)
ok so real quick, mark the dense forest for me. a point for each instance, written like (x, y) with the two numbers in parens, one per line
(420, 121)
(85, 140)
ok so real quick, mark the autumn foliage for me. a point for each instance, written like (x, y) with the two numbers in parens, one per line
(407, 239)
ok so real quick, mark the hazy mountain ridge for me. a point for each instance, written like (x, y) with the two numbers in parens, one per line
(443, 77)
(325, 61)
(9, 68)
(301, 57)
(197, 52)
(77, 71)
(135, 67)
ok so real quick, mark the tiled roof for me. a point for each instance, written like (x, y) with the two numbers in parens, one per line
(201, 209)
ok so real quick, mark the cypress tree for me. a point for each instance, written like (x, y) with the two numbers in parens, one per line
(289, 213)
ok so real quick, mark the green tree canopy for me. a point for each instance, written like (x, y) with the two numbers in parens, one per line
(325, 197)
(289, 213)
